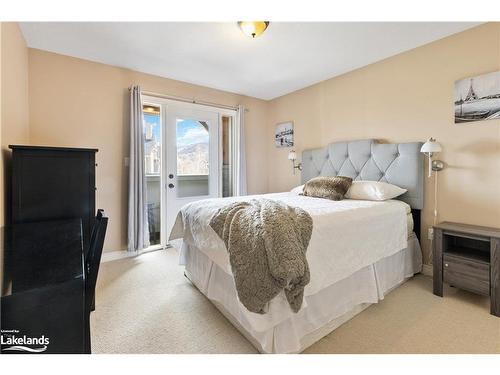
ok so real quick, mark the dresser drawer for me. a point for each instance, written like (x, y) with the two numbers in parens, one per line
(466, 274)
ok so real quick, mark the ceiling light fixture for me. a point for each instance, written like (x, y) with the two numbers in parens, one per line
(253, 28)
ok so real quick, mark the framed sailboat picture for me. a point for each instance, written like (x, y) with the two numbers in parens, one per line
(477, 98)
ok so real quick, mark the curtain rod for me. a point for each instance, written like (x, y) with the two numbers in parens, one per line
(189, 100)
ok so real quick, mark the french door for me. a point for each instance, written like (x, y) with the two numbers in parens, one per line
(189, 154)
(192, 157)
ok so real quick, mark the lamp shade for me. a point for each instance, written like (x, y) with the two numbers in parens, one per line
(431, 146)
(253, 28)
(292, 155)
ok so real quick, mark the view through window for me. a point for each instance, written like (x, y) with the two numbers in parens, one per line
(152, 168)
(192, 157)
(152, 140)
(227, 158)
(192, 148)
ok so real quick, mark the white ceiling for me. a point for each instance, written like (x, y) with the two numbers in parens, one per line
(287, 57)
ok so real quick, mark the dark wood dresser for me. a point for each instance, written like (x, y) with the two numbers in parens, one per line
(53, 183)
(53, 247)
(468, 257)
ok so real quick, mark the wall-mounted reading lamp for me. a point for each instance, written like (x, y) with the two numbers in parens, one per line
(292, 155)
(430, 148)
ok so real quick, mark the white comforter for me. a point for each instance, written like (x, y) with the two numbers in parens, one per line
(347, 235)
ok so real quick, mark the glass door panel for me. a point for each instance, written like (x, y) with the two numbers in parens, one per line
(152, 167)
(227, 156)
(193, 157)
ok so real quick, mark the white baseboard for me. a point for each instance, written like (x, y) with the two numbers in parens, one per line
(109, 256)
(427, 269)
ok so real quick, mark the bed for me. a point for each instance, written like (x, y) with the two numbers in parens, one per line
(359, 250)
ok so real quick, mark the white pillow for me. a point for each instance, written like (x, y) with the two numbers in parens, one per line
(297, 190)
(373, 191)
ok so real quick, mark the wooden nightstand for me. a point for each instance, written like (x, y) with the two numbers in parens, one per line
(468, 257)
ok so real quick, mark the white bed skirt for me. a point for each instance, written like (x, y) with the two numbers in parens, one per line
(282, 331)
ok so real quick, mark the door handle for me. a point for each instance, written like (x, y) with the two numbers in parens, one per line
(171, 186)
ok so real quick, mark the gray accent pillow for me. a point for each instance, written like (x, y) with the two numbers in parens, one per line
(333, 188)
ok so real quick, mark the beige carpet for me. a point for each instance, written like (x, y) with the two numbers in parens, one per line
(145, 305)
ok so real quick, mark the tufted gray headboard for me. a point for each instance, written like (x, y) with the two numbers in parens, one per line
(401, 164)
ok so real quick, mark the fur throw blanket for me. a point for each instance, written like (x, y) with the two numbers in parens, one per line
(267, 243)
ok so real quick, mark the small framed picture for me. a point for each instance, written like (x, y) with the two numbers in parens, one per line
(284, 134)
(477, 98)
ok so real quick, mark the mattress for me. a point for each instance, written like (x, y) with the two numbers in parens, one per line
(347, 235)
(280, 330)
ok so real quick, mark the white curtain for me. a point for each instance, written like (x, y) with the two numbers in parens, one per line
(241, 180)
(138, 228)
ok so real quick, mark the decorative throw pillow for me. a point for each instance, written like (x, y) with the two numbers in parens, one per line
(333, 188)
(373, 191)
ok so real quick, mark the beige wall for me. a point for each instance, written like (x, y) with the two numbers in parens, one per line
(75, 102)
(408, 97)
(14, 105)
(14, 93)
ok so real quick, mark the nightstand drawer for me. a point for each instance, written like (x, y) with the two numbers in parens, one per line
(467, 274)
